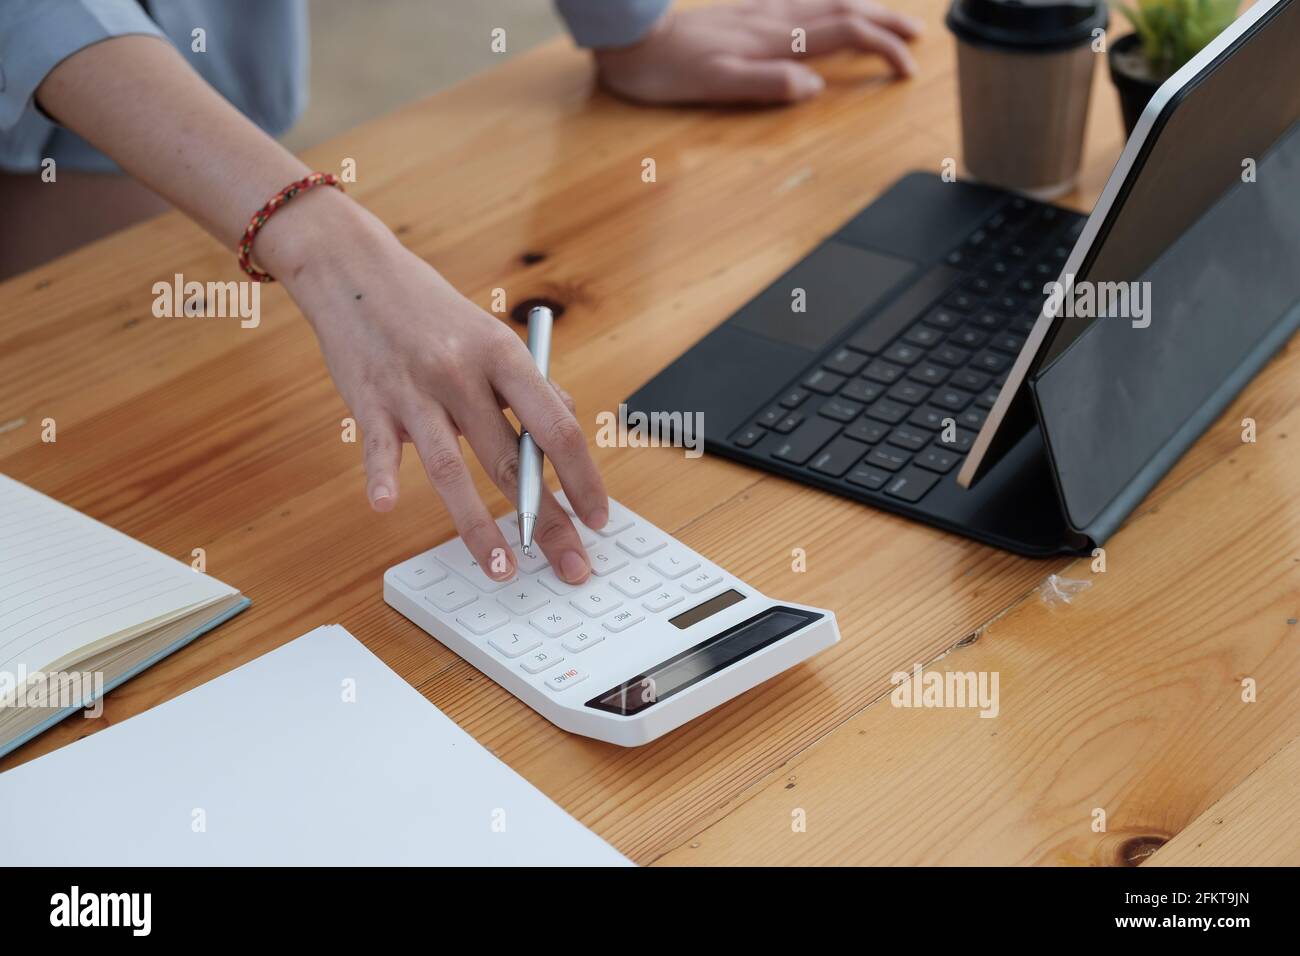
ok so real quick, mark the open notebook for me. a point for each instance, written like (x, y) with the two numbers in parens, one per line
(83, 608)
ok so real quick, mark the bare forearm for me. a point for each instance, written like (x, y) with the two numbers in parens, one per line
(138, 101)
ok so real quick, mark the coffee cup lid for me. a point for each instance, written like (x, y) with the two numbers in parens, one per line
(1027, 24)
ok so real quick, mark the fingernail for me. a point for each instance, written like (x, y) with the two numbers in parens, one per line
(573, 566)
(381, 499)
(597, 519)
(810, 84)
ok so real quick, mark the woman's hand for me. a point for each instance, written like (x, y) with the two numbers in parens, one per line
(746, 52)
(416, 361)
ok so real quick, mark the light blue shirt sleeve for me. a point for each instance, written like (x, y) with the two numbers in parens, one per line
(610, 23)
(254, 52)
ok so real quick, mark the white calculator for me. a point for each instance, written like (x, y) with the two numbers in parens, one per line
(657, 636)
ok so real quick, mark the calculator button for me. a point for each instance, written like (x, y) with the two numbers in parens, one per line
(634, 583)
(538, 661)
(420, 572)
(555, 621)
(606, 560)
(622, 620)
(523, 599)
(554, 584)
(674, 562)
(566, 678)
(596, 601)
(581, 640)
(481, 617)
(701, 581)
(641, 544)
(509, 526)
(451, 594)
(456, 556)
(619, 521)
(661, 600)
(514, 643)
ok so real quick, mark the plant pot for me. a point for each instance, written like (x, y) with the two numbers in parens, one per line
(1132, 78)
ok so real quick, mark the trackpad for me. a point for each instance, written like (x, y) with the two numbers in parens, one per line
(836, 285)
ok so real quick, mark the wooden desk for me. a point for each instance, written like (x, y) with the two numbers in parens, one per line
(195, 433)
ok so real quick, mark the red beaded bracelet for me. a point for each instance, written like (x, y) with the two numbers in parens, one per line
(263, 215)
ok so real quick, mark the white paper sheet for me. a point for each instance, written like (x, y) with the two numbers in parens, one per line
(314, 754)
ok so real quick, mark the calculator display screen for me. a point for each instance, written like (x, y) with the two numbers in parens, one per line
(703, 660)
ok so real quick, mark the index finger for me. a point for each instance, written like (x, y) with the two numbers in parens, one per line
(541, 411)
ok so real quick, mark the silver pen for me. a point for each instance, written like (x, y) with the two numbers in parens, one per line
(540, 320)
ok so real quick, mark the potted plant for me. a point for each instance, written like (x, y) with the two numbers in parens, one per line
(1169, 33)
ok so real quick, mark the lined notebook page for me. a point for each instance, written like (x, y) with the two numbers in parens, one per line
(69, 583)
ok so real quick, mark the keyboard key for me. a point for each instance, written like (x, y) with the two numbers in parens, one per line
(640, 544)
(823, 382)
(701, 581)
(555, 620)
(922, 336)
(565, 679)
(770, 417)
(969, 338)
(860, 390)
(553, 584)
(951, 399)
(912, 439)
(840, 410)
(950, 355)
(868, 477)
(962, 301)
(456, 557)
(606, 560)
(937, 460)
(1007, 342)
(481, 617)
(661, 600)
(748, 436)
(888, 411)
(928, 417)
(988, 321)
(928, 373)
(622, 620)
(673, 562)
(942, 318)
(420, 572)
(912, 393)
(579, 641)
(806, 440)
(972, 418)
(969, 380)
(594, 600)
(888, 457)
(788, 424)
(793, 398)
(961, 441)
(865, 430)
(634, 583)
(988, 361)
(514, 643)
(451, 594)
(903, 354)
(911, 485)
(845, 362)
(886, 373)
(839, 456)
(538, 661)
(523, 599)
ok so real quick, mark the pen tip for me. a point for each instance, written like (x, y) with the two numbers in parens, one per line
(528, 551)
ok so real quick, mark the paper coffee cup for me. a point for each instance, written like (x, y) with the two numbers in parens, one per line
(1024, 76)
